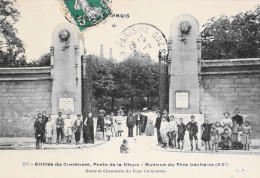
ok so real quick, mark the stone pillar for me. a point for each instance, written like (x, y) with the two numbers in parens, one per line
(66, 57)
(184, 79)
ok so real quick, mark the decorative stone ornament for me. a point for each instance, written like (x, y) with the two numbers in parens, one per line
(64, 38)
(185, 28)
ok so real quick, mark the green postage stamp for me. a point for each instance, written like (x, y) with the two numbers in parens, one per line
(86, 13)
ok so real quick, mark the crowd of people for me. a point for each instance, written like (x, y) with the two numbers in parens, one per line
(229, 133)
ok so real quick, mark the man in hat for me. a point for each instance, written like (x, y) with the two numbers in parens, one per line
(239, 119)
(101, 121)
(39, 127)
(158, 126)
(78, 128)
(59, 128)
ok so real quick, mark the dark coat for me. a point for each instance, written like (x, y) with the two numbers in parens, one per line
(158, 123)
(238, 118)
(130, 121)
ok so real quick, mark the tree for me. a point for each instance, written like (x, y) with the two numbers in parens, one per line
(44, 60)
(11, 47)
(232, 37)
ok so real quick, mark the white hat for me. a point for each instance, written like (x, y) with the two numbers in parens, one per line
(144, 109)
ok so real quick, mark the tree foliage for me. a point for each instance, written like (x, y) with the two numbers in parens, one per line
(11, 47)
(232, 37)
(133, 79)
(44, 60)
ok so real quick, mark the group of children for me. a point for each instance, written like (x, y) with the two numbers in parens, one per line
(44, 129)
(227, 134)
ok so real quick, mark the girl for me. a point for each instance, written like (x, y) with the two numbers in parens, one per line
(172, 132)
(205, 129)
(108, 124)
(239, 137)
(214, 138)
(164, 129)
(226, 120)
(246, 135)
(49, 130)
(119, 121)
(114, 125)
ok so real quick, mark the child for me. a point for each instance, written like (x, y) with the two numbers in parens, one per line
(124, 147)
(239, 137)
(226, 139)
(181, 132)
(108, 124)
(77, 128)
(39, 133)
(234, 135)
(246, 135)
(192, 128)
(164, 129)
(68, 129)
(214, 138)
(172, 132)
(226, 120)
(205, 129)
(220, 131)
(226, 126)
(49, 130)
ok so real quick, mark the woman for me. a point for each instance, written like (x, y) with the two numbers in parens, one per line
(149, 130)
(130, 123)
(89, 124)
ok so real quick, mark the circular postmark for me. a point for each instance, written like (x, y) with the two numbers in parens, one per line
(141, 40)
(86, 13)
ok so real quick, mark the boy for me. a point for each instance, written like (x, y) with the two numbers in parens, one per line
(192, 128)
(124, 147)
(181, 133)
(68, 129)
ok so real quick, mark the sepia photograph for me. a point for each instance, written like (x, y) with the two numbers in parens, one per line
(129, 88)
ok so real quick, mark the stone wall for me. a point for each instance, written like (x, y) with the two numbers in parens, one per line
(230, 84)
(24, 92)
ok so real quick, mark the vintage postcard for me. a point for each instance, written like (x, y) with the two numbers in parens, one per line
(129, 88)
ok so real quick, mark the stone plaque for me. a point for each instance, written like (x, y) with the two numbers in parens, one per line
(182, 100)
(66, 104)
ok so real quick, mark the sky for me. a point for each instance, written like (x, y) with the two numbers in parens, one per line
(40, 17)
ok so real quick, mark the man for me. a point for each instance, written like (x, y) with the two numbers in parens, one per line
(158, 126)
(101, 121)
(89, 124)
(130, 123)
(78, 128)
(237, 117)
(59, 128)
(138, 123)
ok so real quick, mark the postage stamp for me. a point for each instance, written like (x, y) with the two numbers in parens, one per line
(141, 40)
(86, 13)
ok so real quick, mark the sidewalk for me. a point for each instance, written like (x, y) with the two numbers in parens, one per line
(254, 149)
(28, 143)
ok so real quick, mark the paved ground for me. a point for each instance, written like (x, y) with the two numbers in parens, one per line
(144, 156)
